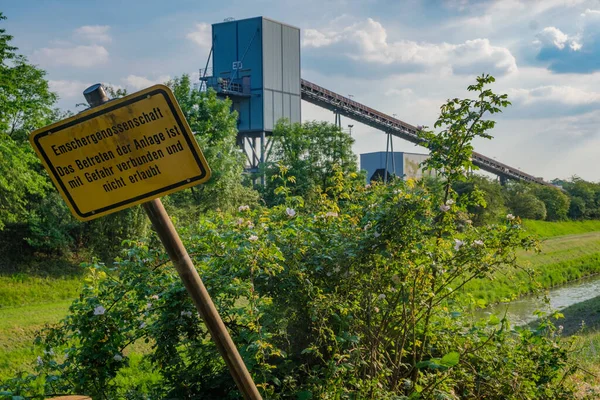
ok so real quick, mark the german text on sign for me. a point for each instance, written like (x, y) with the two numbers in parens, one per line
(123, 153)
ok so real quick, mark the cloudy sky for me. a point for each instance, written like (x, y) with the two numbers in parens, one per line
(400, 57)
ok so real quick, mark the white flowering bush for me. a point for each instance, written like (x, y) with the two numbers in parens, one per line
(353, 296)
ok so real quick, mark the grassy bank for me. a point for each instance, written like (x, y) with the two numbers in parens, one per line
(583, 321)
(563, 259)
(545, 229)
(23, 290)
(18, 327)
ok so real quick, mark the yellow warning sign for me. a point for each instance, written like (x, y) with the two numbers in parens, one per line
(122, 153)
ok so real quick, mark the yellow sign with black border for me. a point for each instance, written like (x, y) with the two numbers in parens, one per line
(125, 152)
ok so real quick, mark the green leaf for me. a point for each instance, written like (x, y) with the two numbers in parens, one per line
(450, 359)
(304, 395)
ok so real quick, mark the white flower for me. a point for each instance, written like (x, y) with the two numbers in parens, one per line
(142, 325)
(458, 244)
(243, 208)
(377, 234)
(99, 310)
(444, 208)
(49, 352)
(239, 221)
(478, 242)
(148, 306)
(510, 217)
(250, 224)
(118, 357)
(367, 186)
(265, 227)
(154, 296)
(376, 309)
(195, 107)
(40, 361)
(449, 202)
(336, 269)
(367, 227)
(253, 238)
(331, 214)
(186, 314)
(290, 212)
(381, 296)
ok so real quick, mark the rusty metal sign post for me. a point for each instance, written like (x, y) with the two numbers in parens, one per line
(130, 151)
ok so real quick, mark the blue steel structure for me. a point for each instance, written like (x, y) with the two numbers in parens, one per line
(256, 63)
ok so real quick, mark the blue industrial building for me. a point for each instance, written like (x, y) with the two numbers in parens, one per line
(399, 164)
(256, 63)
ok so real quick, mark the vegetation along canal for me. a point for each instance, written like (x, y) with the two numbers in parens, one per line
(521, 311)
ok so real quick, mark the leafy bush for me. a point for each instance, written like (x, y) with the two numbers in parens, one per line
(309, 151)
(492, 208)
(557, 203)
(355, 296)
(526, 205)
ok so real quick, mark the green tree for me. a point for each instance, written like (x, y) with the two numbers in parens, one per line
(492, 207)
(577, 208)
(25, 104)
(20, 180)
(557, 203)
(310, 152)
(25, 98)
(215, 128)
(587, 194)
(526, 205)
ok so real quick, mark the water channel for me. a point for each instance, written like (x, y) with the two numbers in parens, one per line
(520, 311)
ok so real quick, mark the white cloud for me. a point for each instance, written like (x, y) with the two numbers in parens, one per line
(141, 82)
(530, 7)
(202, 35)
(575, 46)
(93, 33)
(590, 13)
(368, 41)
(567, 95)
(405, 92)
(68, 89)
(315, 38)
(77, 56)
(551, 36)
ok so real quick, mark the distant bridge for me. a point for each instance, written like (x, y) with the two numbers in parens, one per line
(337, 103)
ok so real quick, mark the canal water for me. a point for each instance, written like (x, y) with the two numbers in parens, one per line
(520, 311)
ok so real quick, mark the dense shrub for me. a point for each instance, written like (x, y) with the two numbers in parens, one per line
(492, 208)
(355, 296)
(526, 205)
(556, 202)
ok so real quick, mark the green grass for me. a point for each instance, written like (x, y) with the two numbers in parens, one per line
(563, 259)
(545, 229)
(22, 289)
(18, 327)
